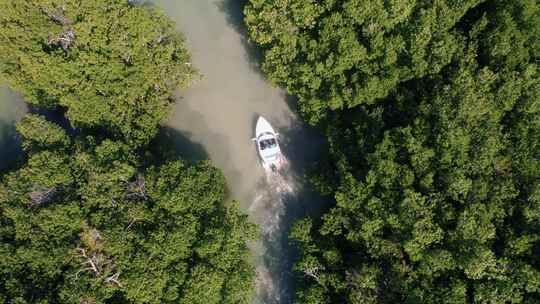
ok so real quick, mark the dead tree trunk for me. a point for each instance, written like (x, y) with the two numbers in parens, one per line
(312, 270)
(136, 190)
(43, 196)
(65, 39)
(94, 260)
(87, 301)
(114, 279)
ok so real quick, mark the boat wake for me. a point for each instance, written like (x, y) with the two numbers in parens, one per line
(276, 190)
(277, 187)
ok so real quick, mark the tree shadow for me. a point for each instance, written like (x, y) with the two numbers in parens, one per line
(10, 146)
(172, 143)
(13, 109)
(234, 10)
(303, 146)
(56, 115)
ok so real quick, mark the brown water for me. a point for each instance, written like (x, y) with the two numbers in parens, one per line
(12, 108)
(215, 118)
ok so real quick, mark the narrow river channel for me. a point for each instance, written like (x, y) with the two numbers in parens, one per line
(216, 117)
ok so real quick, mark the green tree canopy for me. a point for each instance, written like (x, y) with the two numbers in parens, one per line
(434, 140)
(109, 64)
(94, 215)
(87, 222)
(337, 54)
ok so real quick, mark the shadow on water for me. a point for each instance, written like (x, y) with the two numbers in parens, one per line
(10, 147)
(56, 115)
(172, 143)
(176, 143)
(286, 198)
(234, 10)
(12, 109)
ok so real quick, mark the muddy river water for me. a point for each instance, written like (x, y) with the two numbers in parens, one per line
(218, 115)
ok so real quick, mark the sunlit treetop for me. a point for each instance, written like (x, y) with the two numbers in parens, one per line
(109, 64)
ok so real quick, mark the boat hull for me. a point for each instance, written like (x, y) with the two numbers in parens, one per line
(267, 144)
(263, 126)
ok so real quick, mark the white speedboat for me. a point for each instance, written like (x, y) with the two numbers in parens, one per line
(267, 144)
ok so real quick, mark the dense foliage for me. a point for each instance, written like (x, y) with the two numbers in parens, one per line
(338, 54)
(432, 111)
(92, 214)
(85, 221)
(111, 65)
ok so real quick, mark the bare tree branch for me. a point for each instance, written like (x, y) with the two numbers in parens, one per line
(114, 279)
(312, 270)
(136, 190)
(64, 40)
(43, 196)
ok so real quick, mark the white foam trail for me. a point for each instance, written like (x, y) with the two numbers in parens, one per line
(265, 285)
(274, 191)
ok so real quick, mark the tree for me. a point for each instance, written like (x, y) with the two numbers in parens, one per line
(93, 242)
(92, 214)
(339, 54)
(110, 65)
(431, 114)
